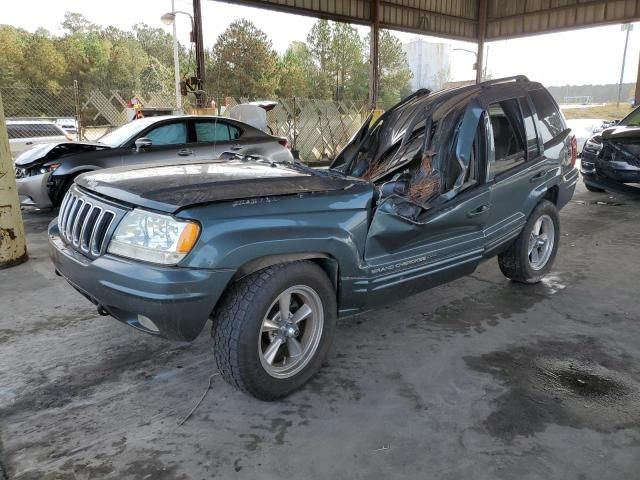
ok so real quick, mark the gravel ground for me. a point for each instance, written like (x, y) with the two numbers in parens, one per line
(481, 378)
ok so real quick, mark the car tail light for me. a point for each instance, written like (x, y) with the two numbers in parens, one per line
(574, 151)
(285, 143)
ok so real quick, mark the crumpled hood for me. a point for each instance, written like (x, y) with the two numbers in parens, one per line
(51, 151)
(621, 132)
(171, 187)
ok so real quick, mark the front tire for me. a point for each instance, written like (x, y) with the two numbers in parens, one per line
(532, 254)
(273, 329)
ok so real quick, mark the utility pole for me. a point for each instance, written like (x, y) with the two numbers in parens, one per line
(637, 96)
(628, 27)
(13, 249)
(199, 41)
(176, 62)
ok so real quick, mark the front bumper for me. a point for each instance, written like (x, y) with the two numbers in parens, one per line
(33, 191)
(594, 179)
(177, 300)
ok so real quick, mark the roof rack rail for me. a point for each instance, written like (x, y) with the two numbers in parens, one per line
(516, 78)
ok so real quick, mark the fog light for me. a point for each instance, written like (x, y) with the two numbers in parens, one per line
(147, 323)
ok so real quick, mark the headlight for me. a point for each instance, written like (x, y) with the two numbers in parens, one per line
(48, 168)
(152, 237)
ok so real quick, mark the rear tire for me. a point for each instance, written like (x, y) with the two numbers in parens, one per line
(260, 349)
(591, 188)
(531, 255)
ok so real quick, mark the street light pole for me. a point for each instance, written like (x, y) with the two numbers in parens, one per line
(628, 27)
(176, 63)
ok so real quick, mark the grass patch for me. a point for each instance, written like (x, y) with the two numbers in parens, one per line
(608, 111)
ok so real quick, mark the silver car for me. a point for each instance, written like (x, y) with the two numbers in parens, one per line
(26, 134)
(46, 172)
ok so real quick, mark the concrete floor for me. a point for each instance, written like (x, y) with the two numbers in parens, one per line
(481, 378)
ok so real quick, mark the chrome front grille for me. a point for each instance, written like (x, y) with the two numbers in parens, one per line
(84, 223)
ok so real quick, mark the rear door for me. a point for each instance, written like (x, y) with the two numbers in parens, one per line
(517, 168)
(214, 137)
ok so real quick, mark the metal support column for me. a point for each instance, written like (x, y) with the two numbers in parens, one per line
(374, 67)
(199, 41)
(13, 249)
(482, 33)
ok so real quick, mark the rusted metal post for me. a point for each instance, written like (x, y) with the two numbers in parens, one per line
(13, 248)
(482, 33)
(374, 58)
(637, 95)
(199, 41)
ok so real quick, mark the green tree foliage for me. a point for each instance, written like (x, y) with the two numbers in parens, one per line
(395, 74)
(320, 43)
(243, 62)
(294, 69)
(332, 64)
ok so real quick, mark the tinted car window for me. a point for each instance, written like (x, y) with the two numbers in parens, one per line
(171, 134)
(216, 132)
(530, 129)
(507, 127)
(551, 123)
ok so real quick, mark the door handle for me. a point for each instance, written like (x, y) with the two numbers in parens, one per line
(539, 175)
(478, 211)
(185, 152)
(28, 143)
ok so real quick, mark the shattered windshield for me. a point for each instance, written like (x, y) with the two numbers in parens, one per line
(632, 120)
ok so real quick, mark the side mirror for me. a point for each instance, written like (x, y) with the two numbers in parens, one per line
(143, 143)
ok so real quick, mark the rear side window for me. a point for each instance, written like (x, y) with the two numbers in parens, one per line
(33, 130)
(530, 129)
(211, 132)
(550, 123)
(508, 138)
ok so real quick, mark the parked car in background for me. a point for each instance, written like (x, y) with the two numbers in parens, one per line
(611, 158)
(45, 173)
(26, 134)
(274, 252)
(69, 125)
(253, 113)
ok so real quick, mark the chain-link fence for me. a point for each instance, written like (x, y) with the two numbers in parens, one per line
(316, 129)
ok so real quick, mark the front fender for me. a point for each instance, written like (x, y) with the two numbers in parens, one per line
(65, 170)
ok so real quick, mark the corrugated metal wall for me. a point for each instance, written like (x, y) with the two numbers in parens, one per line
(448, 18)
(527, 17)
(459, 18)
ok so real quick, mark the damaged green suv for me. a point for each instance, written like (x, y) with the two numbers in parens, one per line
(274, 253)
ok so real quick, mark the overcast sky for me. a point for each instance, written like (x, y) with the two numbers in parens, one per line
(580, 57)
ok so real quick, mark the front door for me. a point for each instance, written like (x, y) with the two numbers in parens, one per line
(406, 255)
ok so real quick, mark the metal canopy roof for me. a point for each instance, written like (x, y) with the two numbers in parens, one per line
(461, 19)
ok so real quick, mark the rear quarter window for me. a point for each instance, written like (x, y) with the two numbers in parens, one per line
(550, 120)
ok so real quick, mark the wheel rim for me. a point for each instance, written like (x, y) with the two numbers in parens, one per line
(541, 242)
(290, 332)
